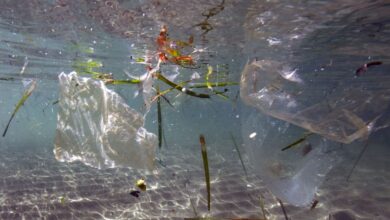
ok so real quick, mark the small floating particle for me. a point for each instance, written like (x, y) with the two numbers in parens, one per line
(62, 200)
(315, 202)
(306, 149)
(253, 135)
(141, 184)
(364, 67)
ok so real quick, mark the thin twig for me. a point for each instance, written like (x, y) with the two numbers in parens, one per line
(180, 88)
(206, 168)
(239, 154)
(357, 160)
(283, 209)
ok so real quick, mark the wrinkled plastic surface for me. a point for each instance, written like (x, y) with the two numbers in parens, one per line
(292, 175)
(97, 127)
(280, 97)
(341, 112)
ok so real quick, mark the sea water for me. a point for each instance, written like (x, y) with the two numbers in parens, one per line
(324, 43)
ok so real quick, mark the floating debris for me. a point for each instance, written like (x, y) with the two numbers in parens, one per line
(135, 193)
(25, 96)
(364, 68)
(141, 184)
(357, 160)
(239, 154)
(180, 88)
(159, 117)
(262, 206)
(306, 149)
(205, 25)
(206, 168)
(209, 72)
(7, 78)
(24, 65)
(315, 202)
(217, 84)
(193, 208)
(252, 135)
(283, 209)
(169, 50)
(62, 200)
(167, 100)
(297, 141)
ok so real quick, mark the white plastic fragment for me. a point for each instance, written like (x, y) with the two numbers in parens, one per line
(96, 126)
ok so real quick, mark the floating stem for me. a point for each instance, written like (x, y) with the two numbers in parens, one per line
(212, 84)
(206, 168)
(159, 119)
(122, 81)
(262, 206)
(239, 154)
(297, 141)
(180, 88)
(25, 96)
(358, 159)
(283, 209)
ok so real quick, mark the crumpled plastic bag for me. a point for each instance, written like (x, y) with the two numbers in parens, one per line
(96, 126)
(293, 175)
(284, 104)
(343, 112)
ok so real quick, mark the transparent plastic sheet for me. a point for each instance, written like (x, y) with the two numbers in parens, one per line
(344, 112)
(303, 71)
(295, 174)
(97, 127)
(334, 114)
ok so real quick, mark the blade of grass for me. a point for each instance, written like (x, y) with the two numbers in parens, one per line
(159, 118)
(7, 78)
(209, 72)
(168, 90)
(297, 141)
(206, 168)
(283, 209)
(167, 100)
(193, 208)
(214, 84)
(25, 96)
(262, 206)
(238, 152)
(123, 81)
(357, 160)
(164, 139)
(180, 88)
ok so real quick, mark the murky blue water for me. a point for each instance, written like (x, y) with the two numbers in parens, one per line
(337, 50)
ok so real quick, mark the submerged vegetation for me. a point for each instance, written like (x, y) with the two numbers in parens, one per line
(283, 209)
(300, 140)
(22, 100)
(206, 168)
(239, 154)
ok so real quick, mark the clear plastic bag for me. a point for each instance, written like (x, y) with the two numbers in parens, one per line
(300, 104)
(97, 127)
(295, 174)
(344, 112)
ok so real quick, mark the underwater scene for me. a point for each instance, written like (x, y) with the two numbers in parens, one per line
(195, 109)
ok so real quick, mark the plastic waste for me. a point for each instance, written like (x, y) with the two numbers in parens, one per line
(285, 106)
(295, 174)
(96, 126)
(344, 113)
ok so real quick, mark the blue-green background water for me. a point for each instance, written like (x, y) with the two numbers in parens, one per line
(325, 40)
